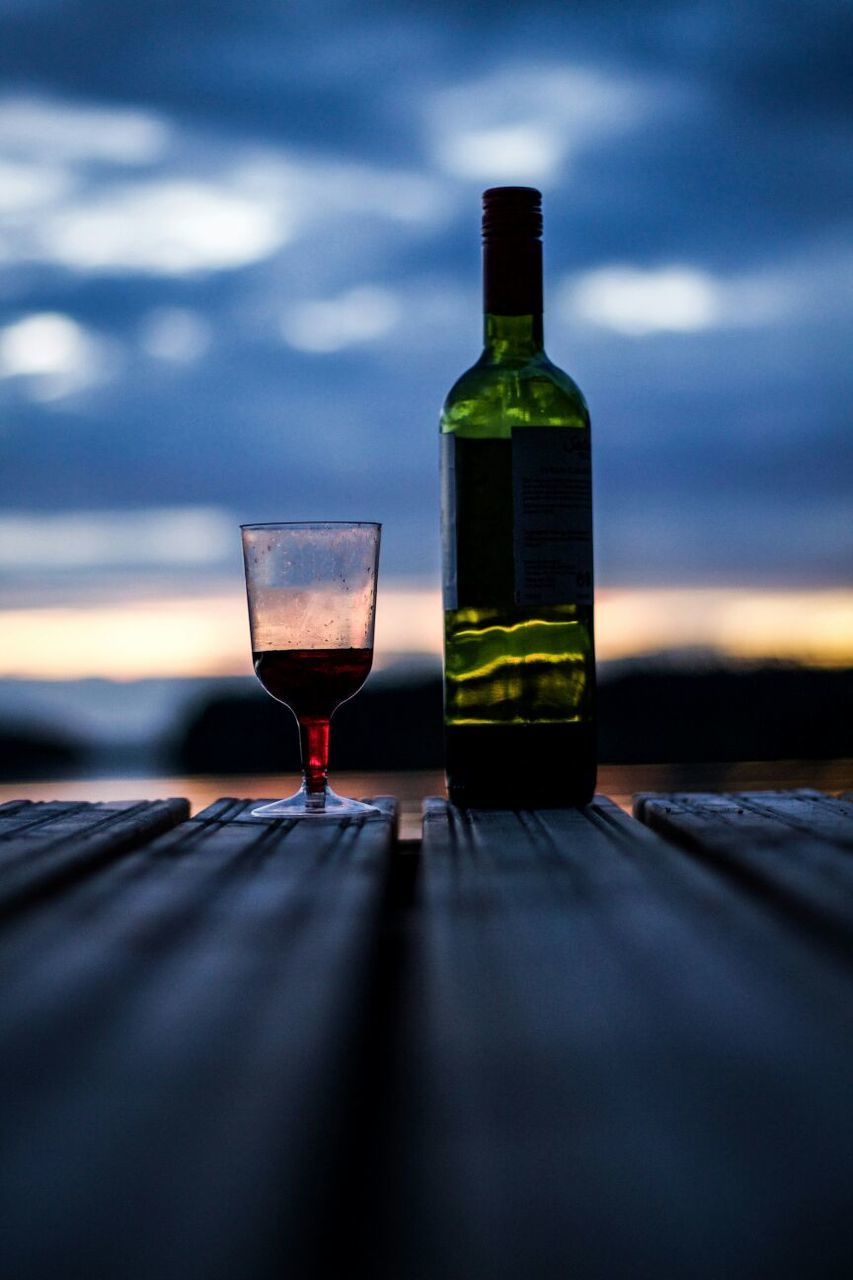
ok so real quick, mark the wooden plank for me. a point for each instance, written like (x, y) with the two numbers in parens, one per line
(183, 1047)
(766, 817)
(45, 845)
(615, 1063)
(793, 848)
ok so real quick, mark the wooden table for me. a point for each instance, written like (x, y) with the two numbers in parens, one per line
(537, 1044)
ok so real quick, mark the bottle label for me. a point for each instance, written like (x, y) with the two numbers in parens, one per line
(516, 519)
(552, 515)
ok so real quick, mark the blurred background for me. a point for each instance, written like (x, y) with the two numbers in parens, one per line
(239, 268)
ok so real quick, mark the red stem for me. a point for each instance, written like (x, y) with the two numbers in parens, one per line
(314, 742)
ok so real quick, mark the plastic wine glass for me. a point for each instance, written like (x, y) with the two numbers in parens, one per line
(312, 601)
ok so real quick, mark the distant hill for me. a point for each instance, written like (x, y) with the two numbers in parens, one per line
(768, 713)
(387, 726)
(35, 753)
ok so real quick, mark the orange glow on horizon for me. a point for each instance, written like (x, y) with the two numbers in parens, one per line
(185, 636)
(208, 635)
(812, 627)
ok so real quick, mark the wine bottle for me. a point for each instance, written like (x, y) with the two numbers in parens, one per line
(517, 545)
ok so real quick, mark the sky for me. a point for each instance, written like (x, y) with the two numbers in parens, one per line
(239, 269)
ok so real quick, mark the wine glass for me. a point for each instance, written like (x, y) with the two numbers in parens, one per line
(312, 600)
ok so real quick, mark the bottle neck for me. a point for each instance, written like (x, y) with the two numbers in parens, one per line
(512, 337)
(512, 296)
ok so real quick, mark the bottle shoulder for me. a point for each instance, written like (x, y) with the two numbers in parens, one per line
(490, 398)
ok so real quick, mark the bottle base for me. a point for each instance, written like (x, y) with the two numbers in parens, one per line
(550, 766)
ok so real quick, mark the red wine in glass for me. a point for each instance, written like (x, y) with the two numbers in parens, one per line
(313, 682)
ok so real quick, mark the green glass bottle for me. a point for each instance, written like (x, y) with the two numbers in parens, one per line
(517, 545)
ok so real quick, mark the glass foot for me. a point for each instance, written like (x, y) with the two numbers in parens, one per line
(325, 804)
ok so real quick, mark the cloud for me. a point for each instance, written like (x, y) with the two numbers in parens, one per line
(172, 537)
(163, 227)
(103, 191)
(53, 355)
(318, 188)
(680, 298)
(25, 185)
(175, 334)
(64, 131)
(357, 316)
(528, 122)
(637, 302)
(526, 152)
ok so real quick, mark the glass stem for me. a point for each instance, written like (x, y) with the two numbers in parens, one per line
(314, 743)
